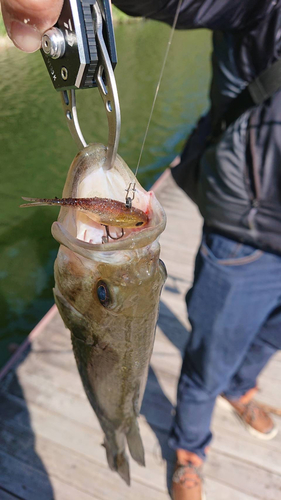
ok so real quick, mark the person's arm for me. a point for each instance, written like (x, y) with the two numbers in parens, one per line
(27, 20)
(222, 15)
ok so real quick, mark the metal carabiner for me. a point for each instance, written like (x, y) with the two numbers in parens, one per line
(77, 56)
(108, 90)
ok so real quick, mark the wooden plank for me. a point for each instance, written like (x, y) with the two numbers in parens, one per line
(161, 391)
(77, 405)
(73, 406)
(245, 449)
(78, 470)
(219, 491)
(15, 358)
(27, 483)
(237, 440)
(269, 392)
(243, 476)
(173, 304)
(265, 454)
(48, 425)
(272, 370)
(278, 356)
(158, 391)
(78, 438)
(42, 371)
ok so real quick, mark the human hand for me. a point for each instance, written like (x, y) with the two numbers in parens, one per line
(27, 20)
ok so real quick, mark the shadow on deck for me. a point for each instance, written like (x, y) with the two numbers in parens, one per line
(50, 440)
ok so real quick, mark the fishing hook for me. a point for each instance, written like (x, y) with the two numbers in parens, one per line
(108, 235)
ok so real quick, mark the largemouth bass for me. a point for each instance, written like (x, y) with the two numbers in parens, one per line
(107, 293)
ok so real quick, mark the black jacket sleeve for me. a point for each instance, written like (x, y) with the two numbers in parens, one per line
(222, 15)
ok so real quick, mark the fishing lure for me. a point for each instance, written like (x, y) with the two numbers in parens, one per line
(103, 210)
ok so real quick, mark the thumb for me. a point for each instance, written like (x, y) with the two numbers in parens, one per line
(27, 20)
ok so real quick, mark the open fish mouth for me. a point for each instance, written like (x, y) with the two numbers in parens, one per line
(88, 179)
(95, 233)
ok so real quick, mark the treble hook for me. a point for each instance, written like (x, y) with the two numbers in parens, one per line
(132, 186)
(108, 235)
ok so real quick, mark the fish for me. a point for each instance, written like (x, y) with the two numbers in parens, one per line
(105, 211)
(107, 293)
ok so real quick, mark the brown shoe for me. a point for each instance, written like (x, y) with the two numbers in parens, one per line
(254, 418)
(187, 480)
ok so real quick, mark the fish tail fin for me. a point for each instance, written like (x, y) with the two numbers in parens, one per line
(118, 461)
(36, 202)
(135, 443)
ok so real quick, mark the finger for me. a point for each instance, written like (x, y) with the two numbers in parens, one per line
(27, 20)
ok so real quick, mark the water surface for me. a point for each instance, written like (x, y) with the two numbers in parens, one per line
(36, 149)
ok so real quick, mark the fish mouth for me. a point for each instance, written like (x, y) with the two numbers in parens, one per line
(84, 236)
(87, 179)
(90, 231)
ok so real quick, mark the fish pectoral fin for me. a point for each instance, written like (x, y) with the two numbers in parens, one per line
(72, 318)
(135, 443)
(118, 461)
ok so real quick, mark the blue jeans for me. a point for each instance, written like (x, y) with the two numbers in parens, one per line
(234, 308)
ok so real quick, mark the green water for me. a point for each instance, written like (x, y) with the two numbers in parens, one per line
(36, 149)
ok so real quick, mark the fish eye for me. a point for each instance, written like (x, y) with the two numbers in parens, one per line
(139, 223)
(103, 293)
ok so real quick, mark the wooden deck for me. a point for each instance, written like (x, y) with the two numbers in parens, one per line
(50, 440)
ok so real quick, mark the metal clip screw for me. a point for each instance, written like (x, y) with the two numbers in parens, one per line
(53, 43)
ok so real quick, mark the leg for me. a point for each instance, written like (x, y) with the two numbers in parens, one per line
(233, 293)
(267, 342)
(243, 386)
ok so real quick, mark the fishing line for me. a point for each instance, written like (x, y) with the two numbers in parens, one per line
(159, 81)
